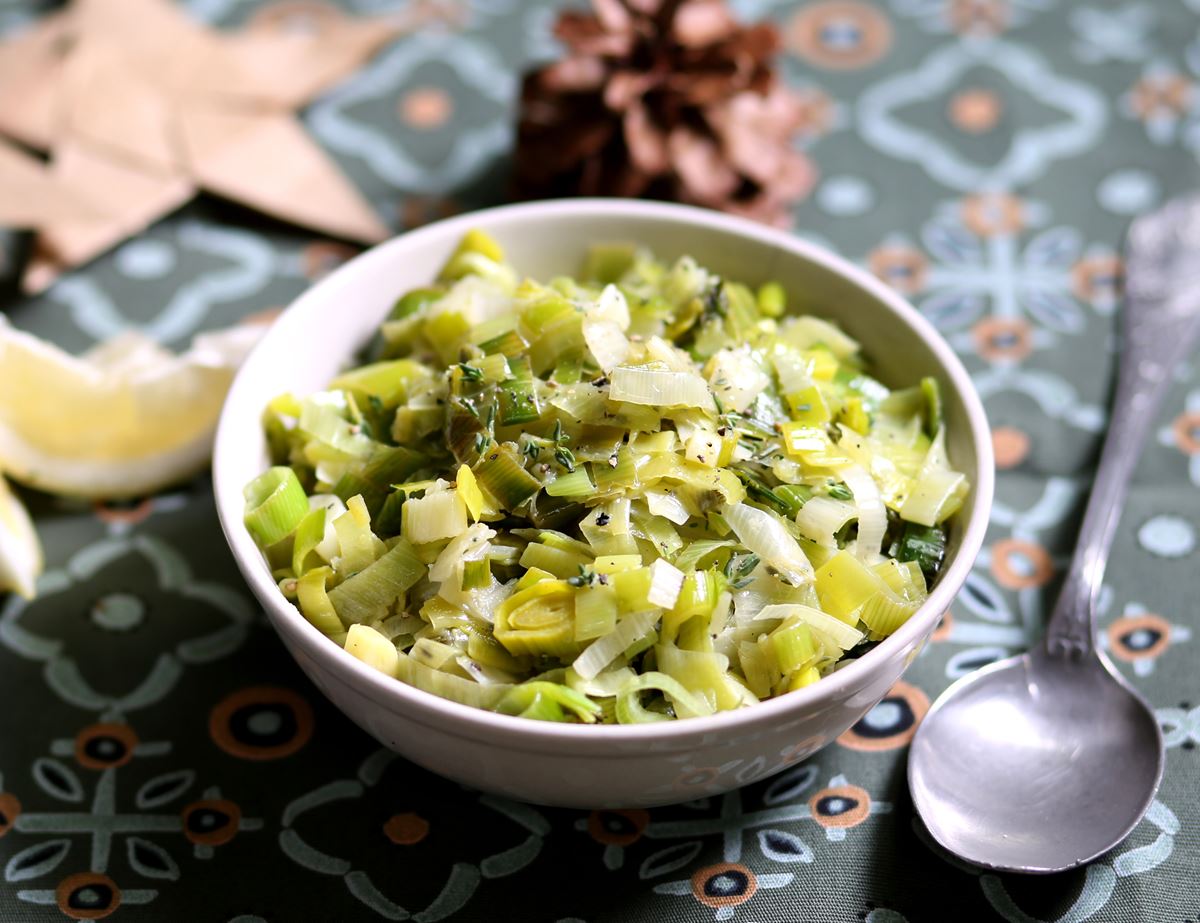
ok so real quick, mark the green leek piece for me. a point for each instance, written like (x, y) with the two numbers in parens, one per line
(389, 465)
(607, 263)
(884, 612)
(275, 504)
(558, 561)
(772, 299)
(314, 601)
(595, 612)
(476, 574)
(576, 484)
(518, 402)
(474, 243)
(414, 302)
(548, 702)
(631, 711)
(539, 620)
(309, 533)
(449, 686)
(484, 648)
(502, 475)
(703, 674)
(794, 647)
(932, 392)
(794, 496)
(375, 590)
(387, 381)
(618, 473)
(698, 551)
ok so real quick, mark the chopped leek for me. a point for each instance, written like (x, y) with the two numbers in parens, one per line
(275, 504)
(644, 495)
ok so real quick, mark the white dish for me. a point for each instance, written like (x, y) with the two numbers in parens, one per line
(579, 765)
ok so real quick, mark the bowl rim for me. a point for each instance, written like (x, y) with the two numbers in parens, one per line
(425, 707)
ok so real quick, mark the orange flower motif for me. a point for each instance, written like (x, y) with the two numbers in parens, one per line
(999, 339)
(902, 267)
(1161, 96)
(840, 34)
(1010, 445)
(1186, 431)
(1098, 279)
(103, 746)
(891, 724)
(841, 807)
(406, 829)
(426, 108)
(1138, 637)
(10, 810)
(617, 828)
(212, 822)
(976, 111)
(990, 214)
(87, 896)
(726, 884)
(978, 17)
(1018, 564)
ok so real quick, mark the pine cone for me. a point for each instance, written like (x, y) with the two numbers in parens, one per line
(663, 99)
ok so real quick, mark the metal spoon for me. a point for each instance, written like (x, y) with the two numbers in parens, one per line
(1042, 762)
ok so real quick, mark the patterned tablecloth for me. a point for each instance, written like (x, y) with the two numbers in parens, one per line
(160, 751)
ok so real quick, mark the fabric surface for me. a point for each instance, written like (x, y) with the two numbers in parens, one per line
(160, 751)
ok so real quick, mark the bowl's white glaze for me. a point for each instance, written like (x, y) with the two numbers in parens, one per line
(585, 766)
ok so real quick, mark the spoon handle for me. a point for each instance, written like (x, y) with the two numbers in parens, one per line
(1161, 324)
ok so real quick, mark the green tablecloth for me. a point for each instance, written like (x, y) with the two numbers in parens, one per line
(159, 748)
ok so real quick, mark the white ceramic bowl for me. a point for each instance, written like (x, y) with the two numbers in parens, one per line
(575, 765)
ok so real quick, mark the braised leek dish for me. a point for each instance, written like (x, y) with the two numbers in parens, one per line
(646, 493)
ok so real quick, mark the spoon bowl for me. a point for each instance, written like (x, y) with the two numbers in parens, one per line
(1032, 764)
(1042, 762)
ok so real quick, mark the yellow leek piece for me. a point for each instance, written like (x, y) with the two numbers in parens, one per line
(883, 613)
(802, 678)
(434, 517)
(314, 601)
(808, 405)
(539, 620)
(373, 649)
(468, 489)
(616, 563)
(356, 541)
(844, 583)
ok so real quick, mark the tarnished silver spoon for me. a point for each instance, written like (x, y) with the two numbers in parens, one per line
(1042, 762)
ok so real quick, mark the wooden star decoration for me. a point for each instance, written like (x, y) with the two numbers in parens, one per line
(139, 108)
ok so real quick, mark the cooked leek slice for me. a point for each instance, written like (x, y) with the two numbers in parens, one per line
(631, 711)
(275, 504)
(548, 702)
(373, 649)
(767, 537)
(376, 589)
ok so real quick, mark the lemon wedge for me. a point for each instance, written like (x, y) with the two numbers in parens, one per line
(20, 550)
(122, 420)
